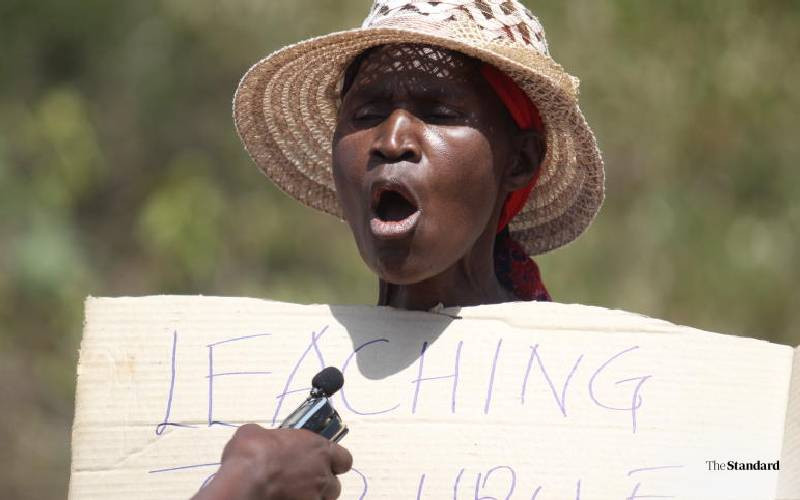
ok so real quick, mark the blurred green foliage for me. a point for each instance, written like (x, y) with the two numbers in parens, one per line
(121, 174)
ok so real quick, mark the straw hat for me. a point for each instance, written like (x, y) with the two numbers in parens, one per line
(285, 107)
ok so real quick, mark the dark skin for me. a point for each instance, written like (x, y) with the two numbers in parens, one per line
(445, 136)
(436, 137)
(278, 464)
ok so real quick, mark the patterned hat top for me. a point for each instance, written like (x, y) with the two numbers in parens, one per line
(498, 19)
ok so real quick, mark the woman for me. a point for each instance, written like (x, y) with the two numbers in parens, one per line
(453, 146)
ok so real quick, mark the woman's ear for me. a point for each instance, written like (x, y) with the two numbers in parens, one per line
(526, 158)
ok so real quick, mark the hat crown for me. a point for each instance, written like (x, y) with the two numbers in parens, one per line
(503, 21)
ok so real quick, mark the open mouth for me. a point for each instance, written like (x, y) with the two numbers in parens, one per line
(394, 213)
(393, 206)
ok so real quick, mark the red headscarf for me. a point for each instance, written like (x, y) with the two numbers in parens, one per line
(514, 268)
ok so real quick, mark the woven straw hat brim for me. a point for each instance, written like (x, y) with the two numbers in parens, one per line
(285, 112)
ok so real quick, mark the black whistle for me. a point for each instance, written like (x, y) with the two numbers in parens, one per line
(317, 414)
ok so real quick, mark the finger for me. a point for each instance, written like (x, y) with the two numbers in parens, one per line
(243, 435)
(333, 490)
(341, 459)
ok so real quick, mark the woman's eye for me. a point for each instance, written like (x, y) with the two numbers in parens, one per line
(441, 113)
(368, 114)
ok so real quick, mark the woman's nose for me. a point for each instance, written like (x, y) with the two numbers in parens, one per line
(398, 138)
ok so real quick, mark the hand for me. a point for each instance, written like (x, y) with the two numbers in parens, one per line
(278, 464)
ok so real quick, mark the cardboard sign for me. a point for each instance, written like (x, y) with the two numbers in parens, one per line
(511, 401)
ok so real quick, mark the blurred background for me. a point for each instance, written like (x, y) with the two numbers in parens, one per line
(121, 174)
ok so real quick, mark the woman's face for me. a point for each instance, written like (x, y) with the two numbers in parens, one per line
(420, 151)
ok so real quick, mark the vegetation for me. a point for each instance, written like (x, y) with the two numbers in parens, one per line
(121, 174)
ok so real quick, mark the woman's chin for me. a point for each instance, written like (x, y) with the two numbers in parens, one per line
(396, 273)
(404, 261)
(400, 269)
